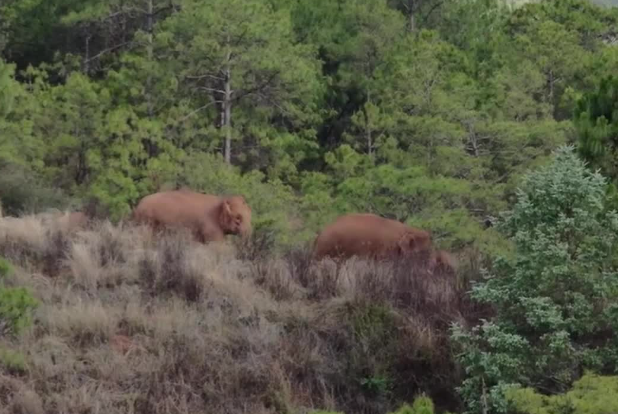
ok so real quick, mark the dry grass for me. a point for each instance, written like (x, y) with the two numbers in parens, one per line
(132, 323)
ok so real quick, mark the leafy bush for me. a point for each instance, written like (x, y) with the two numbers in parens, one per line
(421, 405)
(556, 300)
(22, 191)
(16, 305)
(5, 268)
(13, 362)
(592, 394)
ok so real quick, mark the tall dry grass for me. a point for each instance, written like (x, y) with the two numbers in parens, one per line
(130, 322)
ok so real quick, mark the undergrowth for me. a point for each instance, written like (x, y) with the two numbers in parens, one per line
(132, 323)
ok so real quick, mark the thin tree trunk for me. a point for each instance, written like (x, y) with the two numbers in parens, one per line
(86, 61)
(227, 116)
(227, 107)
(149, 18)
(149, 51)
(411, 9)
(368, 127)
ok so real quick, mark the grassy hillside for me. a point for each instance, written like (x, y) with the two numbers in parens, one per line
(611, 3)
(127, 323)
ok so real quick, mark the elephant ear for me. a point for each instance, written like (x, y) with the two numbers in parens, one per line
(414, 241)
(407, 243)
(225, 216)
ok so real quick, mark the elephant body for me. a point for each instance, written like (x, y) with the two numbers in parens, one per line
(370, 236)
(209, 217)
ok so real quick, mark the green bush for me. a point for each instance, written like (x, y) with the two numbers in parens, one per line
(5, 268)
(13, 362)
(421, 405)
(556, 300)
(16, 305)
(592, 394)
(22, 191)
(325, 412)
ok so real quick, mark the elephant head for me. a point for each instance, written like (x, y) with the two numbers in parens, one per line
(235, 216)
(414, 242)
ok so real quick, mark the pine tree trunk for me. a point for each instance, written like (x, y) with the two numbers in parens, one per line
(149, 24)
(227, 116)
(149, 50)
(368, 127)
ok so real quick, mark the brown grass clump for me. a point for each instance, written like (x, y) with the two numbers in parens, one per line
(132, 322)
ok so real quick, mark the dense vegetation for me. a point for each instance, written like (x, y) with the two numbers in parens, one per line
(444, 114)
(424, 111)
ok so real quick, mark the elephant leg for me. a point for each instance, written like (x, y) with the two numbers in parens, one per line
(209, 233)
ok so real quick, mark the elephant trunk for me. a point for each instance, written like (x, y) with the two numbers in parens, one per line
(246, 232)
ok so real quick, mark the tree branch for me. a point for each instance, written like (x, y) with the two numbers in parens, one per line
(201, 108)
(111, 49)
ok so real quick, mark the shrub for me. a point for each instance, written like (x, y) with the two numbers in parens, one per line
(13, 362)
(5, 268)
(591, 394)
(421, 405)
(556, 300)
(22, 191)
(16, 305)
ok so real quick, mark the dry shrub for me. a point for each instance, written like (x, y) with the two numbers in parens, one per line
(27, 402)
(159, 324)
(175, 265)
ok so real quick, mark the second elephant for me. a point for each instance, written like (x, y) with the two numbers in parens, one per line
(209, 217)
(371, 236)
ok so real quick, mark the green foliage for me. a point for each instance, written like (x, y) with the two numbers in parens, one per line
(24, 192)
(374, 330)
(12, 361)
(271, 81)
(421, 405)
(591, 394)
(596, 119)
(401, 108)
(5, 268)
(556, 298)
(16, 304)
(425, 111)
(325, 412)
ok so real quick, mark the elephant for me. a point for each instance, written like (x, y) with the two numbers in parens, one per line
(370, 236)
(208, 217)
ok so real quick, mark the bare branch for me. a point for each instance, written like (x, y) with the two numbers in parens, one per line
(200, 77)
(103, 52)
(201, 108)
(204, 88)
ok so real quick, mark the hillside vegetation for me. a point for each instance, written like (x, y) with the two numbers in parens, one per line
(493, 127)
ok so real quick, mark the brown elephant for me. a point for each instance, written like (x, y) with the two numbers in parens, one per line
(370, 236)
(209, 217)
